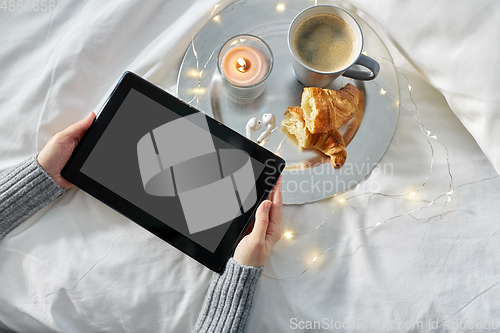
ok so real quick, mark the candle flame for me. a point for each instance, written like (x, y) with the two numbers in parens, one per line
(242, 65)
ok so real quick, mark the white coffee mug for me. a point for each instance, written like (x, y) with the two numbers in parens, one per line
(316, 78)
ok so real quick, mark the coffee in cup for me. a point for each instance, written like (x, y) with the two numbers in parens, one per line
(325, 41)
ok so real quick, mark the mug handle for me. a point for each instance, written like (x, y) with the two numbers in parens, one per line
(367, 62)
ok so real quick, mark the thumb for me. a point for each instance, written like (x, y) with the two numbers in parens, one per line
(262, 219)
(77, 130)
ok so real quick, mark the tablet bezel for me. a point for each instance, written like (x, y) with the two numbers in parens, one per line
(273, 167)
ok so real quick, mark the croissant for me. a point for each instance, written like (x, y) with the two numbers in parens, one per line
(345, 102)
(330, 143)
(325, 109)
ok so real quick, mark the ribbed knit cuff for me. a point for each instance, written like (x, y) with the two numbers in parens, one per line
(23, 191)
(229, 299)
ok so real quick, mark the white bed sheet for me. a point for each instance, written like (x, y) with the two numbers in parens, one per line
(77, 266)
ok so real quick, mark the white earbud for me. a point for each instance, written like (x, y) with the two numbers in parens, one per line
(253, 125)
(270, 121)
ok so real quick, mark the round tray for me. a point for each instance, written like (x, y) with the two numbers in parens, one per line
(308, 176)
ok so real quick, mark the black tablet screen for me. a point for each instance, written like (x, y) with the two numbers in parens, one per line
(173, 168)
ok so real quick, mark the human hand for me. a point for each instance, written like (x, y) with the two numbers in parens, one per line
(57, 151)
(255, 247)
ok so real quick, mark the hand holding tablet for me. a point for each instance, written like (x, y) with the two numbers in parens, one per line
(58, 149)
(255, 247)
(180, 174)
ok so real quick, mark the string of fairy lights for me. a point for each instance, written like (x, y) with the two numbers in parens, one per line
(429, 136)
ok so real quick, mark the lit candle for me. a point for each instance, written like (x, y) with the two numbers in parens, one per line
(245, 65)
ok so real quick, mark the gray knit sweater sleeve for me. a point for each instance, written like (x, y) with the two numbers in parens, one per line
(27, 188)
(229, 299)
(23, 191)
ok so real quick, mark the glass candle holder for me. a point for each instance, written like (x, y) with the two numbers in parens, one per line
(244, 63)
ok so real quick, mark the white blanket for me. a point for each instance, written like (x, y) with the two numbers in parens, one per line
(78, 266)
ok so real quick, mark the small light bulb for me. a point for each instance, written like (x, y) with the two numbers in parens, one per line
(198, 91)
(413, 193)
(314, 259)
(382, 91)
(342, 200)
(194, 73)
(280, 7)
(451, 191)
(217, 18)
(434, 137)
(409, 88)
(288, 234)
(449, 199)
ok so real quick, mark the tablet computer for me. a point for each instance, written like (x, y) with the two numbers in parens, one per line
(182, 175)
